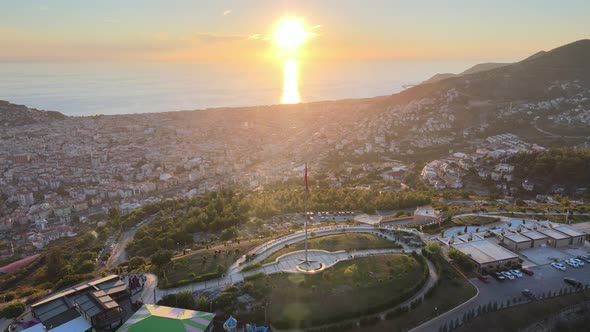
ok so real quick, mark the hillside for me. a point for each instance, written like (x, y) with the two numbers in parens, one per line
(475, 69)
(544, 98)
(18, 115)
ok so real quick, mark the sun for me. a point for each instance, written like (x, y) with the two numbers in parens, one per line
(290, 34)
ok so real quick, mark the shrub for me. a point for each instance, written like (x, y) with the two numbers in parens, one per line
(462, 260)
(251, 267)
(254, 276)
(14, 310)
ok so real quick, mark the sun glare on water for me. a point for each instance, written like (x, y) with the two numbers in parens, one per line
(290, 83)
(289, 36)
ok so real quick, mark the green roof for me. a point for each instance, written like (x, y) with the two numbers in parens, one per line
(159, 318)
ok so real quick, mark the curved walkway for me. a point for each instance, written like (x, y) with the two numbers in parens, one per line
(265, 250)
(276, 267)
(234, 275)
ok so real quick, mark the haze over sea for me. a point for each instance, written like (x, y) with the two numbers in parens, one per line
(121, 88)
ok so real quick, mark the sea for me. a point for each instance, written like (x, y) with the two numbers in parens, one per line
(90, 88)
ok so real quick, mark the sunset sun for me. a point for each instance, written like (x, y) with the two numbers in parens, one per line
(290, 34)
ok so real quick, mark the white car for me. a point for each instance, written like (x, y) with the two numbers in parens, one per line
(516, 273)
(508, 275)
(558, 266)
(579, 261)
(572, 263)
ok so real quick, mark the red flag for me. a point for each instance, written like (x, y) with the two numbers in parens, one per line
(305, 180)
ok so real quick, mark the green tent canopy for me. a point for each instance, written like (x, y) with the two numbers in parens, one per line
(159, 318)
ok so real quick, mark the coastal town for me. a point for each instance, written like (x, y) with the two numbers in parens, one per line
(441, 208)
(59, 174)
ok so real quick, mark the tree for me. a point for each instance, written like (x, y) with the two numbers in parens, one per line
(182, 300)
(433, 248)
(202, 304)
(161, 258)
(86, 266)
(136, 262)
(229, 233)
(114, 214)
(55, 263)
(14, 310)
(462, 260)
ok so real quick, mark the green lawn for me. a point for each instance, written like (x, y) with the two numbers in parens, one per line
(475, 220)
(345, 241)
(451, 291)
(195, 264)
(347, 290)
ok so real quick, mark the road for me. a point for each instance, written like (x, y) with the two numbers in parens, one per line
(552, 134)
(119, 254)
(545, 279)
(4, 323)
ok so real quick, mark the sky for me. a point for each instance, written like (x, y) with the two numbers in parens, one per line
(238, 30)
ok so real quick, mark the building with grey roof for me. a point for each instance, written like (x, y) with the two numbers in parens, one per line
(576, 237)
(537, 239)
(95, 302)
(516, 241)
(487, 256)
(556, 238)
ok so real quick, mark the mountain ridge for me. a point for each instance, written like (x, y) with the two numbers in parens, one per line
(472, 70)
(18, 115)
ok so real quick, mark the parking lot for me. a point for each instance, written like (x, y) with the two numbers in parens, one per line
(545, 279)
(332, 216)
(546, 255)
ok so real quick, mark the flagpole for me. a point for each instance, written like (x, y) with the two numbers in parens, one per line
(306, 217)
(306, 265)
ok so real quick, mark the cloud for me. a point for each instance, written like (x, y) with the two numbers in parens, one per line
(210, 38)
(43, 8)
(226, 12)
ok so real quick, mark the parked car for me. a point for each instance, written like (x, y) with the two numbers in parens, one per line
(558, 266)
(527, 271)
(585, 257)
(573, 282)
(579, 261)
(527, 293)
(572, 263)
(499, 276)
(485, 279)
(508, 275)
(516, 273)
